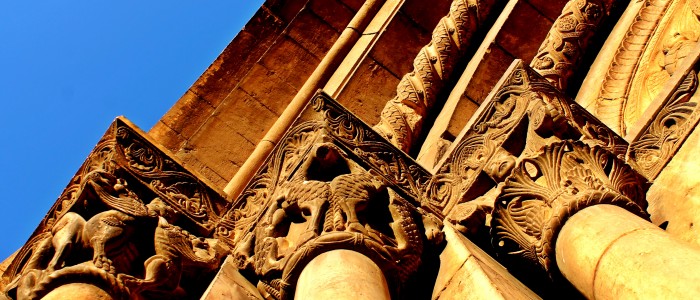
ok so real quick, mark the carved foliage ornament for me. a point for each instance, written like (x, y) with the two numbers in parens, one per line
(656, 145)
(525, 114)
(544, 191)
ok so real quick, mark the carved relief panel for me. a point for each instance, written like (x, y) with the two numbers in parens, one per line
(132, 223)
(669, 119)
(523, 114)
(661, 35)
(332, 183)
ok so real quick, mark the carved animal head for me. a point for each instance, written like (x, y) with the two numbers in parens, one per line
(159, 208)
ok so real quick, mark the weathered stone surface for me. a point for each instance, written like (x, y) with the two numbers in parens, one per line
(371, 82)
(219, 147)
(266, 87)
(522, 34)
(401, 31)
(488, 72)
(335, 13)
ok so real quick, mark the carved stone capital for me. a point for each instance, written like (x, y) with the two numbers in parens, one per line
(132, 223)
(523, 114)
(331, 183)
(548, 188)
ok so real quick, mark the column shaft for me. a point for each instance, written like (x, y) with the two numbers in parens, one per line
(609, 253)
(342, 274)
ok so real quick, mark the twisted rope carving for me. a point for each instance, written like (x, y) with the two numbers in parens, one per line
(402, 117)
(560, 53)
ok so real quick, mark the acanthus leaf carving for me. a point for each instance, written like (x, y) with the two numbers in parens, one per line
(545, 190)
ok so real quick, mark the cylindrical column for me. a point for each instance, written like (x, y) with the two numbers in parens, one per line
(342, 274)
(609, 253)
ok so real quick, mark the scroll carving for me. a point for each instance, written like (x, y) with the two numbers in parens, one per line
(654, 147)
(402, 117)
(569, 37)
(545, 190)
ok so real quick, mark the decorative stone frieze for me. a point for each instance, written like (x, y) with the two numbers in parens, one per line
(670, 120)
(132, 223)
(332, 183)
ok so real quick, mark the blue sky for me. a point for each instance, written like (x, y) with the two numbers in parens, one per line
(68, 68)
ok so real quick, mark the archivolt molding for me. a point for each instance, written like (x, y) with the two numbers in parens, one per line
(662, 34)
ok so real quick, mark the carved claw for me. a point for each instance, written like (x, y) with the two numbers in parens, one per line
(356, 227)
(104, 263)
(130, 282)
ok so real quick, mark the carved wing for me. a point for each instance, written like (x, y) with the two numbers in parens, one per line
(126, 202)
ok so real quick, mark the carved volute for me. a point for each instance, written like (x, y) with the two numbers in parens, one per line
(524, 114)
(529, 159)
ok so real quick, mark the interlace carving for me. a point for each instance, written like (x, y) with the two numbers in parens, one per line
(332, 183)
(661, 138)
(569, 37)
(525, 114)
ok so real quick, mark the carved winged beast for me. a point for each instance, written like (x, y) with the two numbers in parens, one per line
(103, 232)
(63, 254)
(175, 251)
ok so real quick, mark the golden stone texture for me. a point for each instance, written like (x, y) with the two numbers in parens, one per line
(552, 140)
